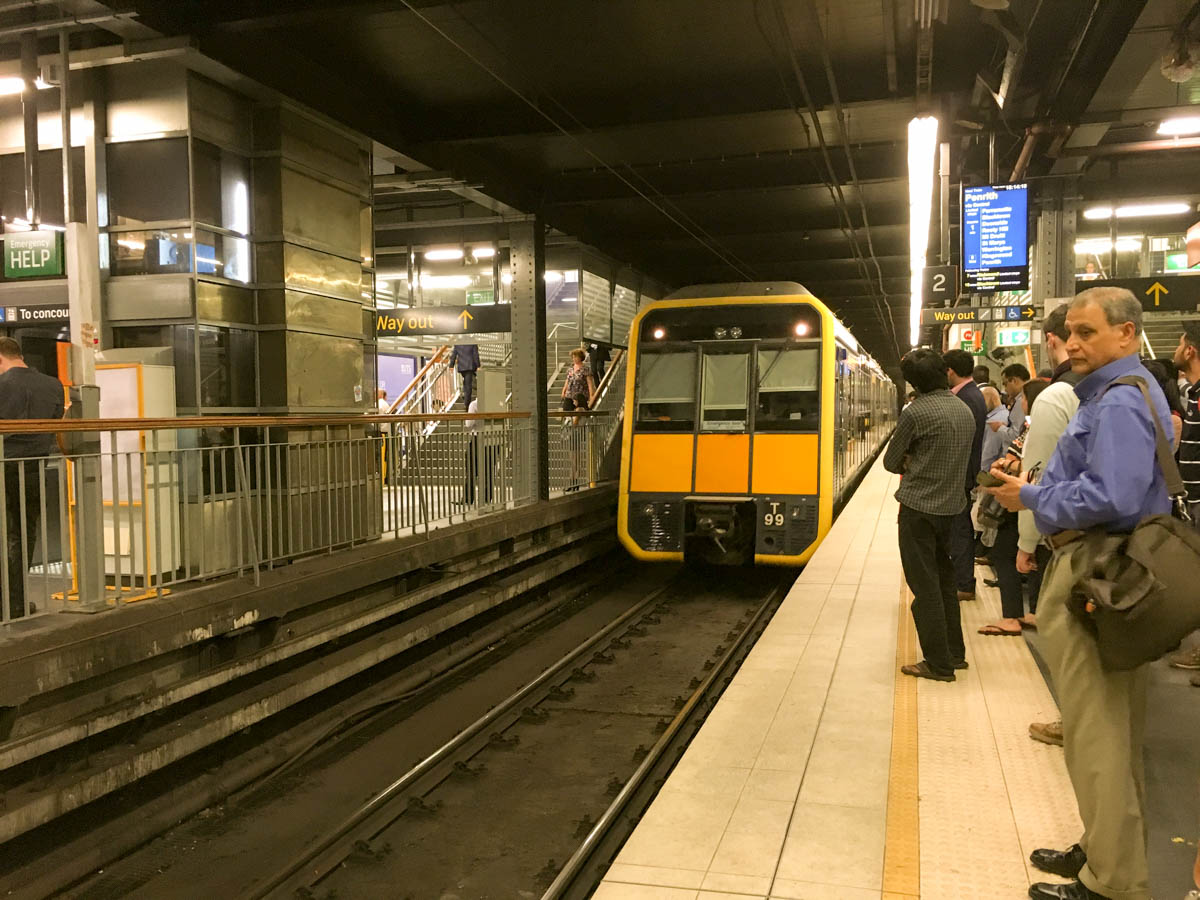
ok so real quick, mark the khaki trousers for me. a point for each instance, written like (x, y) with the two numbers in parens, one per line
(1103, 723)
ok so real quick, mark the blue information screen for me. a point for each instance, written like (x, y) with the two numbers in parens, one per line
(995, 249)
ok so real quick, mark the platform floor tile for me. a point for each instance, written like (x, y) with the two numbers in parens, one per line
(790, 787)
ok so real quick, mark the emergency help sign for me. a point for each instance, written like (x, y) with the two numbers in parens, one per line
(31, 254)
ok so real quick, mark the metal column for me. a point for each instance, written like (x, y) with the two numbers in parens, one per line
(1054, 254)
(83, 298)
(528, 266)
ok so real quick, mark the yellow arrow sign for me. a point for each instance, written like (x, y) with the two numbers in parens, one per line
(466, 317)
(1157, 290)
(1028, 312)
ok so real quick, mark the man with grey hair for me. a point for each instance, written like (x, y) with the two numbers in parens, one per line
(1102, 476)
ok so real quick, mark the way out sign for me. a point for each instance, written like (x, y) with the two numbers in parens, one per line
(33, 254)
(443, 320)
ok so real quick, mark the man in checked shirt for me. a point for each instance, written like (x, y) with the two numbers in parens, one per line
(931, 449)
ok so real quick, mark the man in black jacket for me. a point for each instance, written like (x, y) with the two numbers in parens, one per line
(24, 394)
(959, 368)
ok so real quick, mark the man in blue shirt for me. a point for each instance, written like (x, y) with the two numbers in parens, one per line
(1103, 475)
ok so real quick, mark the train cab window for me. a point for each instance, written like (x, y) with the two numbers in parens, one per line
(666, 391)
(788, 390)
(723, 400)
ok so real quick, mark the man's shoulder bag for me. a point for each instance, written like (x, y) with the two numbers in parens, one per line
(1141, 595)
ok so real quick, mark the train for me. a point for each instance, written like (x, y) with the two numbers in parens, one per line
(750, 413)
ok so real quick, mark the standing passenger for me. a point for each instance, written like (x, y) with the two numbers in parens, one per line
(1187, 359)
(959, 366)
(24, 394)
(931, 448)
(1103, 476)
(465, 358)
(579, 379)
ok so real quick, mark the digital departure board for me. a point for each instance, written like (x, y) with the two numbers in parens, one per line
(995, 249)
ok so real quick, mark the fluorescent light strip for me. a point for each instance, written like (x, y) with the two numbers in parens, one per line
(1139, 210)
(922, 148)
(1180, 126)
(446, 254)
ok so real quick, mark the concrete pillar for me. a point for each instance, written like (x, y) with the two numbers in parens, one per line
(528, 265)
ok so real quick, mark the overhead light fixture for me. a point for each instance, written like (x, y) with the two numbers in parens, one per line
(14, 84)
(483, 252)
(922, 149)
(1138, 210)
(1179, 127)
(552, 276)
(444, 254)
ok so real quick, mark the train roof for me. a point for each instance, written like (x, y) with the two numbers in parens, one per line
(738, 289)
(763, 288)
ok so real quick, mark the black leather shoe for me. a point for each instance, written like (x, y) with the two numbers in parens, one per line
(1064, 863)
(1076, 890)
(962, 664)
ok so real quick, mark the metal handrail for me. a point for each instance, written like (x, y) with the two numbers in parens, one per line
(609, 374)
(44, 426)
(433, 360)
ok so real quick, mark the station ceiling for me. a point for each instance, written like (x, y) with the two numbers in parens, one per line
(724, 140)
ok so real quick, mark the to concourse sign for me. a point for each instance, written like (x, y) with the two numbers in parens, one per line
(966, 315)
(444, 320)
(1156, 292)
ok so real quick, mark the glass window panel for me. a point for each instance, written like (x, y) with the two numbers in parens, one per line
(666, 391)
(221, 184)
(226, 366)
(723, 403)
(148, 181)
(223, 255)
(150, 252)
(788, 390)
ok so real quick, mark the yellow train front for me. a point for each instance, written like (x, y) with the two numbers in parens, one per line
(750, 413)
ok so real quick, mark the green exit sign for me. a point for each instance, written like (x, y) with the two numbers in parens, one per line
(480, 297)
(1012, 337)
(33, 254)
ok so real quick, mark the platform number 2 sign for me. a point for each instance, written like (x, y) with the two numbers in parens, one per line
(941, 285)
(774, 518)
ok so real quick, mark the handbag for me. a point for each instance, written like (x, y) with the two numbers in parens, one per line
(1141, 596)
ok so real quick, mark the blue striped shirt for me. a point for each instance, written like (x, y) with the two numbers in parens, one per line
(1104, 472)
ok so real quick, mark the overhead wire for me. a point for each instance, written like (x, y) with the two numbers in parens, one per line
(696, 233)
(832, 182)
(845, 139)
(582, 127)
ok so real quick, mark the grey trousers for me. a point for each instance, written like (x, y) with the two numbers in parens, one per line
(1104, 717)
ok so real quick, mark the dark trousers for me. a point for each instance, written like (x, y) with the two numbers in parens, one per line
(18, 561)
(1004, 560)
(1033, 581)
(490, 455)
(962, 550)
(468, 390)
(925, 555)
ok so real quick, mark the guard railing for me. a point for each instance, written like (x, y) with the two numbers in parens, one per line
(136, 507)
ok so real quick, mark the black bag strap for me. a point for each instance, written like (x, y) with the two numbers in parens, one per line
(1162, 447)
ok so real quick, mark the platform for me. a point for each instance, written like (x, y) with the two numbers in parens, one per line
(823, 774)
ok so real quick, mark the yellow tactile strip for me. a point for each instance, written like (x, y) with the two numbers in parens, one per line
(902, 854)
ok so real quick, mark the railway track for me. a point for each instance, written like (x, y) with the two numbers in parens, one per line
(532, 797)
(501, 755)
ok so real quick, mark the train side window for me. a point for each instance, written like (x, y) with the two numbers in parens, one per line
(666, 391)
(723, 401)
(788, 390)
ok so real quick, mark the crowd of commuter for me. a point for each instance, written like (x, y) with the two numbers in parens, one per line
(1024, 483)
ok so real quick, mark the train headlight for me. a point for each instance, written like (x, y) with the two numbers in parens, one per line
(659, 333)
(801, 329)
(735, 332)
(719, 333)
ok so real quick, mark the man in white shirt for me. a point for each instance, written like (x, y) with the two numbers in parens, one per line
(1053, 411)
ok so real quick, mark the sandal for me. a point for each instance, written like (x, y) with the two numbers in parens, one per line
(995, 630)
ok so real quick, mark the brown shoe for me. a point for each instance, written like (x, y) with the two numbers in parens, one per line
(964, 596)
(1047, 732)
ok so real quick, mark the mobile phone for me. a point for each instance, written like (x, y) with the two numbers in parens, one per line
(987, 479)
